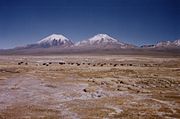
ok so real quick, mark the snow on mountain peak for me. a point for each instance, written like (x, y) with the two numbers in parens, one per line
(164, 43)
(99, 39)
(102, 38)
(55, 40)
(177, 42)
(54, 37)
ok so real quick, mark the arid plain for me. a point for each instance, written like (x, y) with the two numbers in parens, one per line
(89, 87)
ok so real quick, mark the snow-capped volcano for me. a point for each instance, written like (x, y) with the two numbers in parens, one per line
(55, 40)
(101, 40)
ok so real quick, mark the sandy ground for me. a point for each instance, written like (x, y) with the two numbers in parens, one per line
(89, 87)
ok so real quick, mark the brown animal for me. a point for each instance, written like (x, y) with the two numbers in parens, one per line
(146, 65)
(122, 64)
(129, 64)
(78, 64)
(20, 63)
(115, 65)
(62, 63)
(84, 90)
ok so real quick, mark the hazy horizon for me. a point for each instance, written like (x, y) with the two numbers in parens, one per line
(136, 22)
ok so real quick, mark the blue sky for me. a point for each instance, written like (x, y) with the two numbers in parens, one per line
(133, 21)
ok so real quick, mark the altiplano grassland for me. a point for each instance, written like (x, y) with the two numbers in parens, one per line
(89, 87)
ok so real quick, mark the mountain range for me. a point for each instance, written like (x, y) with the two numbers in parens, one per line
(100, 43)
(164, 44)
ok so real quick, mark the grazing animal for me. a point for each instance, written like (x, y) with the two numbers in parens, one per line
(61, 63)
(50, 62)
(20, 63)
(89, 63)
(26, 63)
(44, 63)
(115, 65)
(145, 65)
(154, 64)
(84, 90)
(101, 65)
(78, 64)
(94, 65)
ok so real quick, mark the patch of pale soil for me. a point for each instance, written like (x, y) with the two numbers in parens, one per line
(32, 91)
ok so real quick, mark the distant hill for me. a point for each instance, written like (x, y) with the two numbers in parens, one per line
(165, 44)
